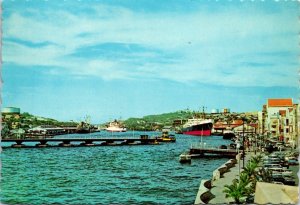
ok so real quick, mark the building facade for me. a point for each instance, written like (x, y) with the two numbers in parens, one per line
(280, 119)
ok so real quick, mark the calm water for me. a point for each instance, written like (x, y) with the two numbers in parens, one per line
(104, 175)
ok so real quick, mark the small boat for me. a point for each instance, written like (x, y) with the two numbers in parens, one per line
(228, 134)
(166, 137)
(185, 158)
(154, 143)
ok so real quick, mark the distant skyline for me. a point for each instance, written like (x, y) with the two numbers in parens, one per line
(123, 58)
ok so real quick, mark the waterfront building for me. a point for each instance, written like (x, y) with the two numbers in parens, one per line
(260, 122)
(246, 128)
(166, 129)
(279, 119)
(221, 126)
(226, 110)
(296, 124)
(179, 122)
(46, 130)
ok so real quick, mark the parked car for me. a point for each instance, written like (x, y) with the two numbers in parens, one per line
(278, 178)
(272, 165)
(293, 162)
(275, 182)
(288, 180)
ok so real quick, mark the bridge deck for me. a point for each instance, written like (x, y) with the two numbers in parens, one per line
(66, 142)
(76, 139)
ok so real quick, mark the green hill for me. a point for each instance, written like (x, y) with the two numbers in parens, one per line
(156, 122)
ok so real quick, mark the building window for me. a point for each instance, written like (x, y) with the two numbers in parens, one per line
(287, 130)
(287, 121)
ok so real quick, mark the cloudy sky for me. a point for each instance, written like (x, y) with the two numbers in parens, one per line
(128, 58)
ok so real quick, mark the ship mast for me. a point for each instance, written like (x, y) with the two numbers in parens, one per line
(203, 113)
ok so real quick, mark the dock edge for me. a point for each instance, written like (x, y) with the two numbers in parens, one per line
(204, 194)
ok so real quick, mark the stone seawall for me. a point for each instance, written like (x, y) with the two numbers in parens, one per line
(204, 194)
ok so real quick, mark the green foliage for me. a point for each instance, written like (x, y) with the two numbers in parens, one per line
(26, 121)
(156, 122)
(245, 185)
(251, 171)
(238, 189)
(26, 115)
(256, 159)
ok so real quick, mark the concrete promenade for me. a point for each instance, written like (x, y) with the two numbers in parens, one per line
(218, 185)
(211, 191)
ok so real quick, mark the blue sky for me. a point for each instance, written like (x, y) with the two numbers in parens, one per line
(128, 58)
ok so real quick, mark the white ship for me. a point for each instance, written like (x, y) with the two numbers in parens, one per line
(115, 126)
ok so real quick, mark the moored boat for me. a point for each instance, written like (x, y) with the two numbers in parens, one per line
(228, 134)
(85, 126)
(185, 158)
(116, 126)
(166, 137)
(198, 127)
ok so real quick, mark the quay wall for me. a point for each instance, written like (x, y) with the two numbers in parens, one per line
(204, 194)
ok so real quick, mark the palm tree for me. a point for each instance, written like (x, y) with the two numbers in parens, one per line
(256, 159)
(251, 171)
(245, 185)
(238, 189)
(244, 179)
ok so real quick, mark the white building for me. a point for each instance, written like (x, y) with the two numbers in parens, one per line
(260, 127)
(279, 119)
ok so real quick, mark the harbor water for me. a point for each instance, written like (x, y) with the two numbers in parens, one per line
(145, 174)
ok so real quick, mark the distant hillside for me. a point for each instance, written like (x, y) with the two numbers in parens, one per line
(156, 122)
(26, 121)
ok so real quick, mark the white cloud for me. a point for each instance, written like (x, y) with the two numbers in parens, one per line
(207, 44)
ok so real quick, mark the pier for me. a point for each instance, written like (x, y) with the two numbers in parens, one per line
(200, 150)
(85, 141)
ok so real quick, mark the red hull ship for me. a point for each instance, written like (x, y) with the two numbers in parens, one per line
(198, 127)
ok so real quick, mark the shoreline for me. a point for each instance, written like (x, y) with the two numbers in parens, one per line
(211, 190)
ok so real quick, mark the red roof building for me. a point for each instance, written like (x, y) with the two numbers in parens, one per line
(288, 102)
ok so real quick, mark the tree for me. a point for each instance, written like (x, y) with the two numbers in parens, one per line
(245, 185)
(5, 131)
(251, 171)
(256, 159)
(238, 189)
